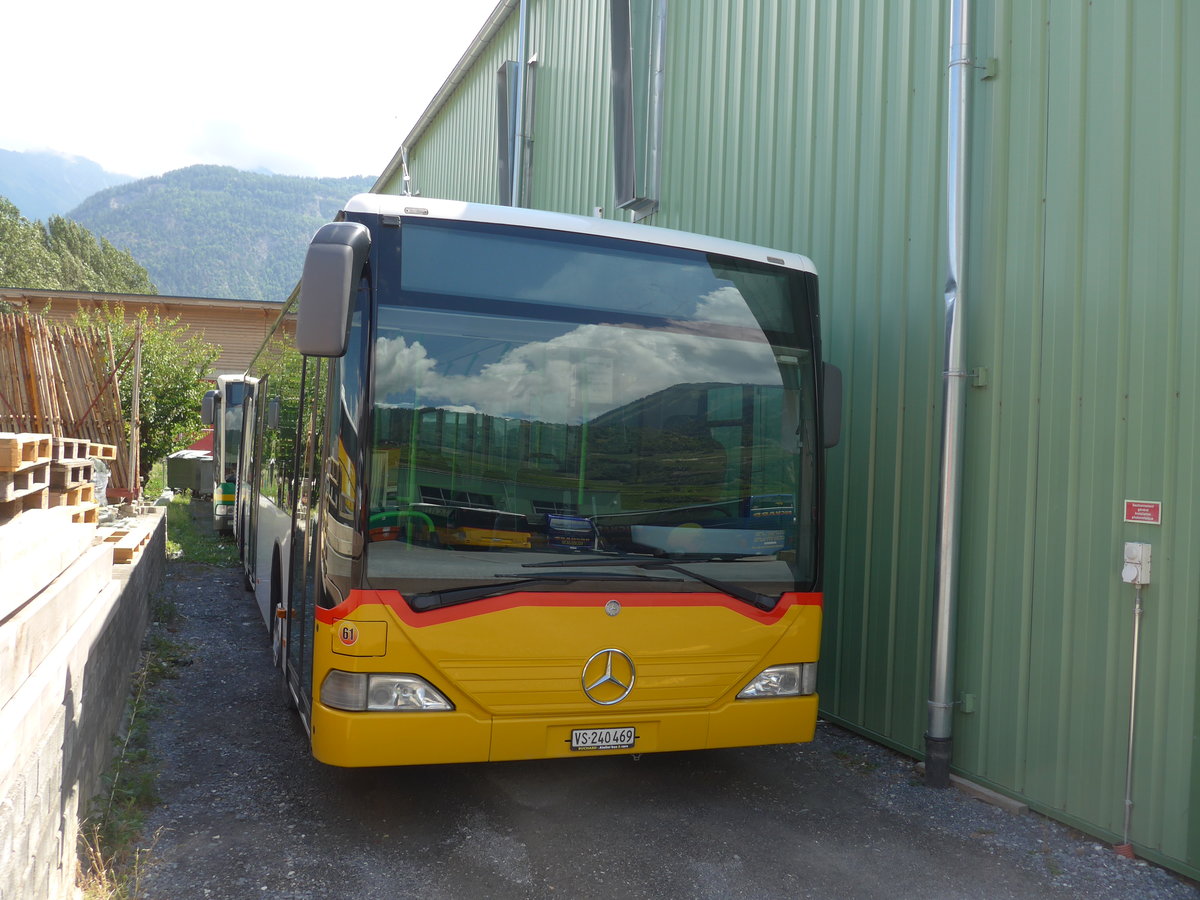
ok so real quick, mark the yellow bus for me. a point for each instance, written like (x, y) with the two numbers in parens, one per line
(465, 379)
(466, 526)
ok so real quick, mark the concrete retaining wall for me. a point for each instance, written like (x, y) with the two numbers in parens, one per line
(66, 657)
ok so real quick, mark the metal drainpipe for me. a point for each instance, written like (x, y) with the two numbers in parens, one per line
(518, 159)
(939, 741)
(406, 179)
(1125, 848)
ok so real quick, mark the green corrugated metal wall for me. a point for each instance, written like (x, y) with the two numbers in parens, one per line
(1085, 286)
(571, 147)
(819, 127)
(458, 159)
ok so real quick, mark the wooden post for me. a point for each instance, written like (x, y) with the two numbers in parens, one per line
(135, 481)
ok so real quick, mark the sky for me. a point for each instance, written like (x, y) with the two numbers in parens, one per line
(298, 88)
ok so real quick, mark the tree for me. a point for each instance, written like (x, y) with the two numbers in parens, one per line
(25, 257)
(175, 365)
(90, 266)
(63, 257)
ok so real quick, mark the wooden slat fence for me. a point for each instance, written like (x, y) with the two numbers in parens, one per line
(62, 380)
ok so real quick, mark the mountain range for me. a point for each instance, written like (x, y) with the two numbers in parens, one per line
(200, 231)
(42, 185)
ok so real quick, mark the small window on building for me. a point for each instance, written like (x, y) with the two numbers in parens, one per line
(638, 41)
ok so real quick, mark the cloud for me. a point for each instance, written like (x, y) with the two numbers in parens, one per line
(400, 366)
(142, 91)
(726, 306)
(575, 376)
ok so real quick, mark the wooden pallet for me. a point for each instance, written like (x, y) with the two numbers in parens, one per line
(20, 450)
(65, 475)
(29, 479)
(70, 449)
(85, 513)
(73, 496)
(103, 451)
(127, 545)
(10, 509)
(40, 471)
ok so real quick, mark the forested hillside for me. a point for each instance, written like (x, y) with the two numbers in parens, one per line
(63, 256)
(215, 231)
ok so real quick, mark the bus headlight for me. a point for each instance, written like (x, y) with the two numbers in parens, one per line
(404, 693)
(359, 691)
(794, 680)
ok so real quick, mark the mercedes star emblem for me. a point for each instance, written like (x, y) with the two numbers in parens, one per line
(608, 677)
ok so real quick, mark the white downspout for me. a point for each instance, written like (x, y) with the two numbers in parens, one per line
(939, 739)
(519, 137)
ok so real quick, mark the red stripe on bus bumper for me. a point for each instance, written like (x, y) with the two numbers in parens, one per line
(555, 599)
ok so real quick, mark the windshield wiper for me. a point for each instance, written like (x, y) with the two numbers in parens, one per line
(755, 599)
(451, 596)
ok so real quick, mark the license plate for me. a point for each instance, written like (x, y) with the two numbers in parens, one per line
(603, 738)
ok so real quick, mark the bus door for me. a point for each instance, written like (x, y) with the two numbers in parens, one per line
(303, 579)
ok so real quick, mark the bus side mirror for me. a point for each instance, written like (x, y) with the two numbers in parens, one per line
(332, 267)
(273, 412)
(831, 404)
(208, 408)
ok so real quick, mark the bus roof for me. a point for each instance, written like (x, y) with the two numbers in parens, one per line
(395, 205)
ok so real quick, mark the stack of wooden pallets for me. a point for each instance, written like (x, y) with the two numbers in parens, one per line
(62, 380)
(24, 473)
(39, 471)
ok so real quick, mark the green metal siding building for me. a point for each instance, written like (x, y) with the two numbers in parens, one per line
(821, 127)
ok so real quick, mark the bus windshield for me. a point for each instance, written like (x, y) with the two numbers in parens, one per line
(231, 442)
(542, 398)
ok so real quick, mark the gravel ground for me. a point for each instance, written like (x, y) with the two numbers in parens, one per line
(1081, 866)
(246, 812)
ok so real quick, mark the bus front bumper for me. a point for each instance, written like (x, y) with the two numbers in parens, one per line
(353, 739)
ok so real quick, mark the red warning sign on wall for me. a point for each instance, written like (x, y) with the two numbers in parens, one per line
(1147, 512)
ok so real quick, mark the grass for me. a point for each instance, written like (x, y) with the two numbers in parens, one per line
(157, 481)
(190, 537)
(111, 846)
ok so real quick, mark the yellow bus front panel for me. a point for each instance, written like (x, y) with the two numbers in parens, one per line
(515, 669)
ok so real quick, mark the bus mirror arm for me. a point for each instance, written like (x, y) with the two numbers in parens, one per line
(831, 404)
(332, 268)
